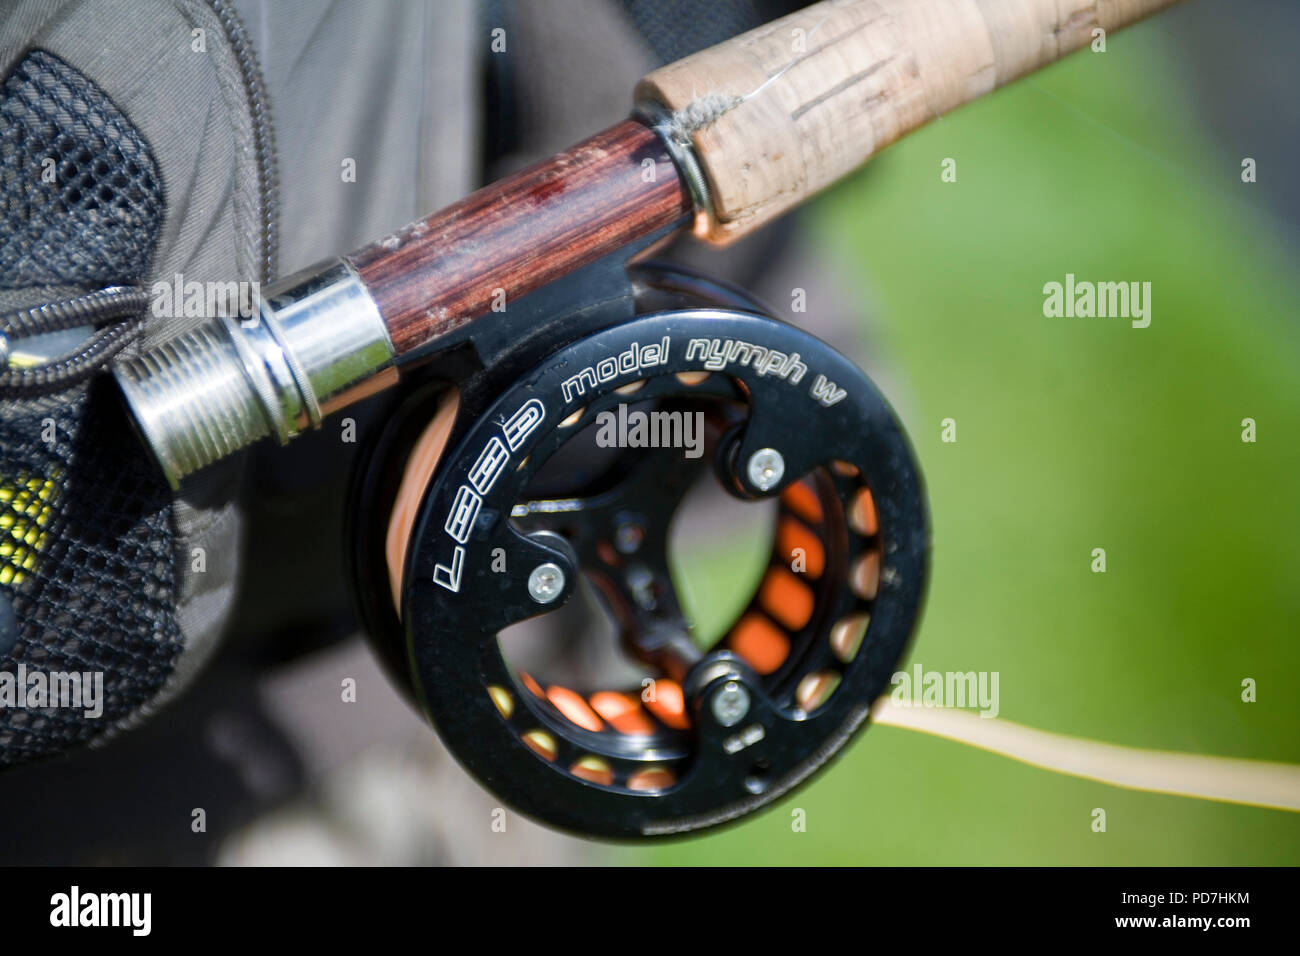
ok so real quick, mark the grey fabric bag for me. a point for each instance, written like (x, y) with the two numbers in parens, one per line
(139, 150)
(119, 170)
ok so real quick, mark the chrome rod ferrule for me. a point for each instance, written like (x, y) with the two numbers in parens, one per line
(316, 344)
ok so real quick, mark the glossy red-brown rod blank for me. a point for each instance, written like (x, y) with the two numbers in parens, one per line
(522, 232)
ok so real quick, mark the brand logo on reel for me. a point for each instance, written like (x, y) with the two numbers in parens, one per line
(482, 476)
(717, 354)
(635, 359)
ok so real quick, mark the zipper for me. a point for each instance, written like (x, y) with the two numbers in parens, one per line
(259, 107)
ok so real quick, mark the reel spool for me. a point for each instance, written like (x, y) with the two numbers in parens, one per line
(541, 489)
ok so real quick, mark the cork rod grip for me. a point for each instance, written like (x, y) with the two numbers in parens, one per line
(783, 111)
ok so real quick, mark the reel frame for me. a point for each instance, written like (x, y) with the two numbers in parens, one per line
(595, 780)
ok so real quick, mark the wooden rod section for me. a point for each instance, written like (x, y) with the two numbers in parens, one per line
(522, 232)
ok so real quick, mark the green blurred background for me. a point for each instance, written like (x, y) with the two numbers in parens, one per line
(1074, 434)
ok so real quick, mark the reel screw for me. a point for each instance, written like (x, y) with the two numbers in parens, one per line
(766, 468)
(545, 583)
(731, 704)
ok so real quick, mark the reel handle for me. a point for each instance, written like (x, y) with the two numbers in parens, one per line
(783, 111)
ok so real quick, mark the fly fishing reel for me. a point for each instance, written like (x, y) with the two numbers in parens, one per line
(502, 524)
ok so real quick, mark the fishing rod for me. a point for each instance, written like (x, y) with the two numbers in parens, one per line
(724, 141)
(517, 319)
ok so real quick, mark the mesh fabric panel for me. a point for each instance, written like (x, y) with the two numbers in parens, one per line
(87, 564)
(86, 560)
(80, 196)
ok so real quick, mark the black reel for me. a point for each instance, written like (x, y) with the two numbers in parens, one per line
(554, 502)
